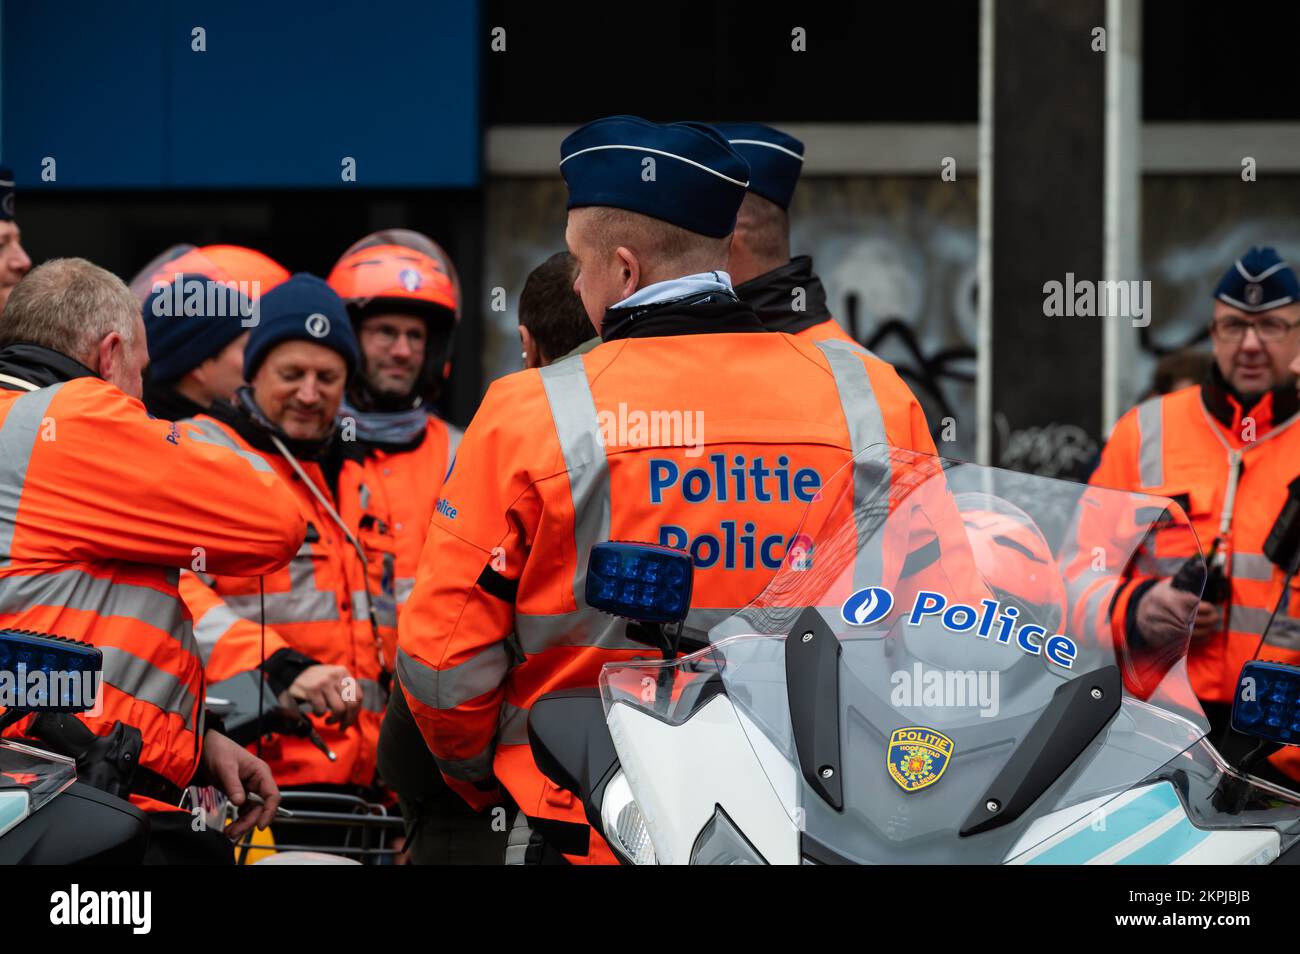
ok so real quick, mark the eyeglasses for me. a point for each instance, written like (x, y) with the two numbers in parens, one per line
(1269, 330)
(387, 335)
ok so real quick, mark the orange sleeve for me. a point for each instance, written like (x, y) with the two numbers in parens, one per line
(453, 657)
(109, 482)
(1096, 561)
(228, 643)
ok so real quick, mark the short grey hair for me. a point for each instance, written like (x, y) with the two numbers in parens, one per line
(69, 305)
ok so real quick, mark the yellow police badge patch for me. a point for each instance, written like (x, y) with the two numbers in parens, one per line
(917, 757)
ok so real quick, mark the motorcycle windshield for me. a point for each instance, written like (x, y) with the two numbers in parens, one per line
(29, 779)
(943, 668)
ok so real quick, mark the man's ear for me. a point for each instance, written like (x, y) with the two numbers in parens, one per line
(108, 355)
(629, 269)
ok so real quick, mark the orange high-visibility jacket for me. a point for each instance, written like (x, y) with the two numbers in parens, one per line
(1172, 446)
(101, 506)
(1176, 446)
(388, 497)
(596, 448)
(315, 606)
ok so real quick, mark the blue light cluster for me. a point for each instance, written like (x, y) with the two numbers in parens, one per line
(24, 653)
(1267, 703)
(640, 581)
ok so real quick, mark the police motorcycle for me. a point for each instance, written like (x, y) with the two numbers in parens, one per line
(916, 685)
(48, 814)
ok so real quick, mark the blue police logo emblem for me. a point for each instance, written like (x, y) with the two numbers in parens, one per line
(867, 606)
(410, 279)
(1254, 294)
(917, 757)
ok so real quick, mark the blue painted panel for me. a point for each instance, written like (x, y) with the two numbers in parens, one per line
(281, 95)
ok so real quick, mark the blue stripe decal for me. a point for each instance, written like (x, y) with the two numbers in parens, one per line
(1169, 847)
(1128, 820)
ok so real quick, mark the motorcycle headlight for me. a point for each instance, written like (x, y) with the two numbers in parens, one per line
(721, 843)
(625, 825)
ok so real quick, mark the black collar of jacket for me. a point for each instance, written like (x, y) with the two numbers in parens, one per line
(708, 313)
(1229, 406)
(165, 402)
(248, 421)
(771, 295)
(39, 365)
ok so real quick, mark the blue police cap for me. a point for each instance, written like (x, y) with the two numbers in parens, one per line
(6, 195)
(775, 159)
(696, 180)
(1258, 281)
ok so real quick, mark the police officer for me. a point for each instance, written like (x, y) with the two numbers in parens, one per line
(403, 298)
(784, 292)
(102, 505)
(14, 263)
(321, 643)
(1225, 450)
(559, 459)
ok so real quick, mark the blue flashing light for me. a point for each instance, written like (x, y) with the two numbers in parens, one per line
(1267, 702)
(23, 653)
(640, 581)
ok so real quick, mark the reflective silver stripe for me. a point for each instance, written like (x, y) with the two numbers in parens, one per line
(468, 770)
(1151, 464)
(573, 410)
(373, 697)
(513, 725)
(451, 687)
(540, 632)
(210, 432)
(385, 609)
(214, 624)
(76, 589)
(304, 603)
(142, 680)
(1252, 566)
(1251, 619)
(866, 427)
(294, 607)
(17, 440)
(577, 426)
(402, 588)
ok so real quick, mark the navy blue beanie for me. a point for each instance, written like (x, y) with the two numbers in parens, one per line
(190, 319)
(1258, 281)
(682, 173)
(302, 309)
(775, 159)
